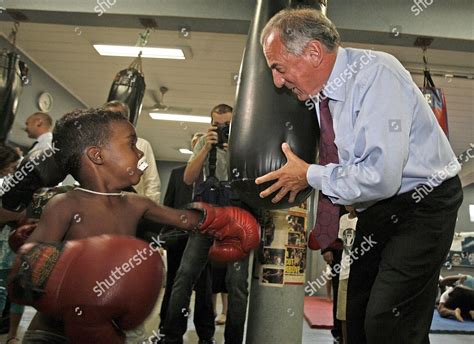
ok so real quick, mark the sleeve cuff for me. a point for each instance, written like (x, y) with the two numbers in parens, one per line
(314, 176)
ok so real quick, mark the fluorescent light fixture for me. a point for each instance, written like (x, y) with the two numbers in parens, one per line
(180, 118)
(131, 51)
(471, 212)
(185, 151)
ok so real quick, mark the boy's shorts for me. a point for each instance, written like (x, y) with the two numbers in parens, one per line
(43, 337)
(342, 299)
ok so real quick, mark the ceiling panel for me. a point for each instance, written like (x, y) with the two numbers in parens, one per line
(66, 52)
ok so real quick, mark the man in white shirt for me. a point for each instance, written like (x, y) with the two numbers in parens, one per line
(39, 127)
(150, 183)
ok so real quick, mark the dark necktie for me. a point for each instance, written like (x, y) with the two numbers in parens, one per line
(33, 146)
(327, 220)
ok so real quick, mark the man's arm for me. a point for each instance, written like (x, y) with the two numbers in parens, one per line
(54, 222)
(381, 138)
(201, 150)
(8, 216)
(450, 280)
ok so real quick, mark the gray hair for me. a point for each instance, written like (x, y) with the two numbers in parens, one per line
(299, 26)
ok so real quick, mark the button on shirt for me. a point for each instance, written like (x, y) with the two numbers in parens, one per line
(387, 136)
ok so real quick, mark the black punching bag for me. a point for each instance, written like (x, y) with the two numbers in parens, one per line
(13, 72)
(128, 87)
(264, 118)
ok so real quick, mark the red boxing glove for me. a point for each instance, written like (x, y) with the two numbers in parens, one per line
(236, 231)
(93, 285)
(225, 251)
(19, 236)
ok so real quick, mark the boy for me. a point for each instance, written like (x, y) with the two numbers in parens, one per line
(347, 227)
(97, 147)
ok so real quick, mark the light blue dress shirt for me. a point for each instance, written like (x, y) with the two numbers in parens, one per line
(387, 136)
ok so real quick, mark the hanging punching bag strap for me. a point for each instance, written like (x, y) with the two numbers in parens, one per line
(428, 80)
(212, 162)
(137, 63)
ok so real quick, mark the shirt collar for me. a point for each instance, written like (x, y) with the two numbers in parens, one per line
(45, 138)
(333, 89)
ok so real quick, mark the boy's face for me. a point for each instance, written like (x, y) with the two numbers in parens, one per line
(121, 154)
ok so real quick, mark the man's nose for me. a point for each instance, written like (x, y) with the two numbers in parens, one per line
(278, 79)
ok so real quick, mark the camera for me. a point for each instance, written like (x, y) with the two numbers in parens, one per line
(222, 134)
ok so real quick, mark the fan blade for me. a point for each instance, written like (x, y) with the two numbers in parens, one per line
(179, 109)
(157, 108)
(154, 96)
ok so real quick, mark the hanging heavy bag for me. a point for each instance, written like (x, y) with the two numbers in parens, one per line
(128, 87)
(436, 100)
(264, 118)
(13, 74)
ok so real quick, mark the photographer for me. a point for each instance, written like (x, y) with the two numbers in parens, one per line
(221, 117)
(209, 162)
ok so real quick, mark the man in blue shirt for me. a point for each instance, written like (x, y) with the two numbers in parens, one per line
(396, 167)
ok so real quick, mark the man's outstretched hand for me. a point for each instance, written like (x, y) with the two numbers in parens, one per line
(290, 178)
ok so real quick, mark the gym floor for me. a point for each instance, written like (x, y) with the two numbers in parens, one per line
(310, 336)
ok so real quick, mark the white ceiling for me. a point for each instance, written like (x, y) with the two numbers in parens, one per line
(201, 82)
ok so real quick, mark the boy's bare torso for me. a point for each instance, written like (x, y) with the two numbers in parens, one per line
(91, 215)
(97, 215)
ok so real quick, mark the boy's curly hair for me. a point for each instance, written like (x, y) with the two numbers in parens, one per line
(80, 129)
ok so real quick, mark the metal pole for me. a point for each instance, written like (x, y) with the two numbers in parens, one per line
(277, 292)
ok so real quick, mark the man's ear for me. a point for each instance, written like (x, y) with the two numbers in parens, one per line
(94, 154)
(314, 51)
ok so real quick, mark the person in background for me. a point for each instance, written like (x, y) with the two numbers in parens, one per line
(347, 227)
(9, 159)
(218, 287)
(195, 257)
(39, 127)
(457, 300)
(177, 195)
(332, 256)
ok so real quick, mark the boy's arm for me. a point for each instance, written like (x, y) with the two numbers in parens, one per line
(185, 219)
(236, 231)
(54, 221)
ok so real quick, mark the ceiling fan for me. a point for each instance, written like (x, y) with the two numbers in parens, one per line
(159, 104)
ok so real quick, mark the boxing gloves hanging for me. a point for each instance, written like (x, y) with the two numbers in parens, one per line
(235, 230)
(264, 118)
(92, 299)
(128, 87)
(13, 75)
